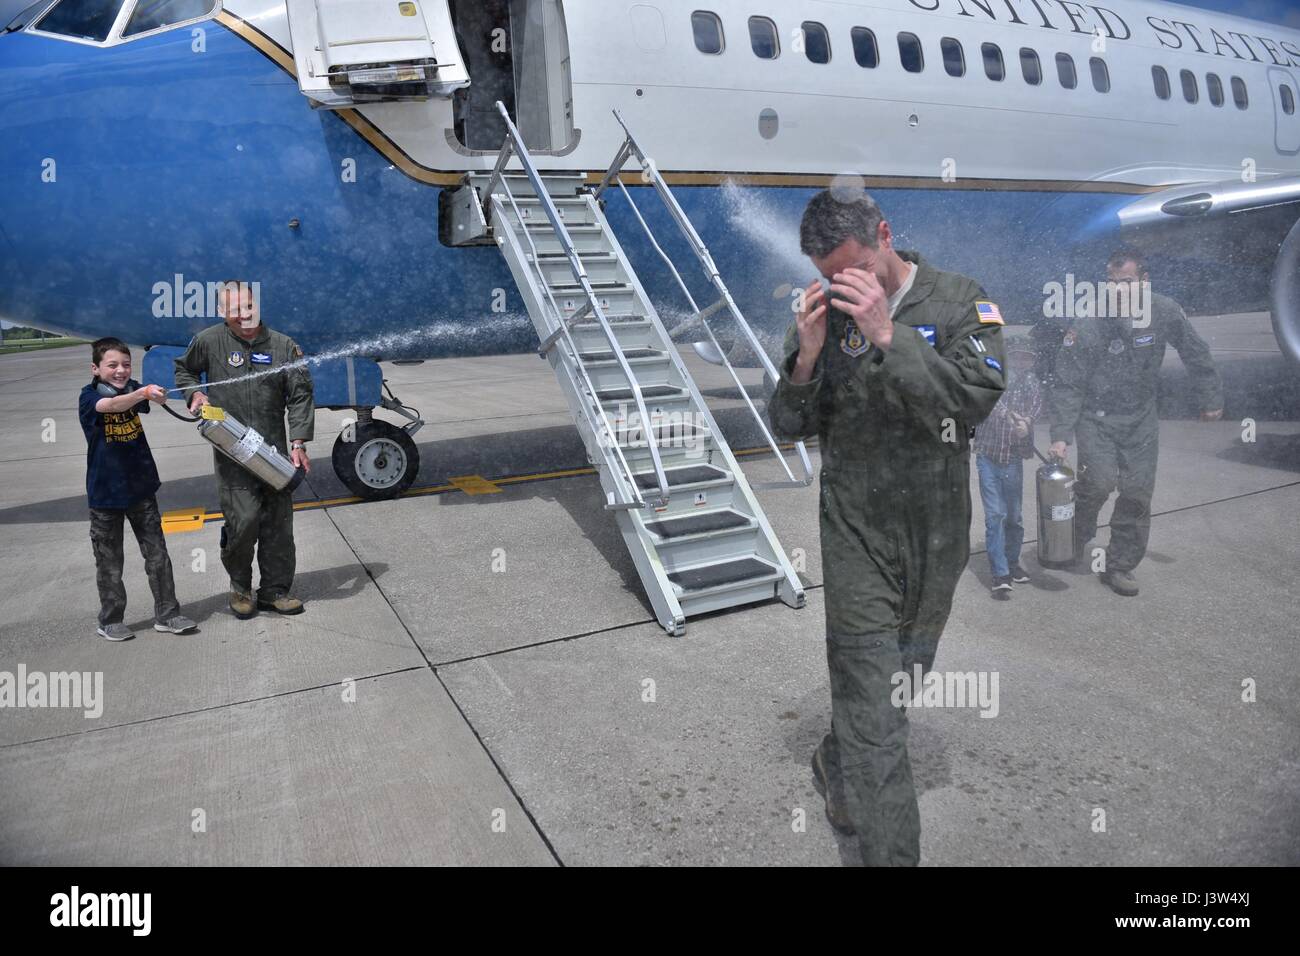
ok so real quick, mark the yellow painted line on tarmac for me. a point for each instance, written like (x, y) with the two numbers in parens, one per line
(544, 475)
(475, 485)
(181, 520)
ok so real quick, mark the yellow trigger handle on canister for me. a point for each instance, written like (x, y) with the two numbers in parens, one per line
(212, 413)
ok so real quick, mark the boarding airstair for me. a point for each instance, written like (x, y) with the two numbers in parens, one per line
(689, 517)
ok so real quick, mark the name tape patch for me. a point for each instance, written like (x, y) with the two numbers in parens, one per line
(991, 362)
(261, 358)
(1142, 340)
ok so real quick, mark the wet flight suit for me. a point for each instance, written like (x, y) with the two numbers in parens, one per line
(894, 430)
(1104, 399)
(254, 514)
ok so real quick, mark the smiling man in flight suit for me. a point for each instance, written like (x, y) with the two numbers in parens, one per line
(893, 373)
(256, 517)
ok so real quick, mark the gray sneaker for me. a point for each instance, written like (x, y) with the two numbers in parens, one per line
(175, 625)
(115, 632)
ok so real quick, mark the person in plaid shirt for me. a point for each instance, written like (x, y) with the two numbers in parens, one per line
(1002, 442)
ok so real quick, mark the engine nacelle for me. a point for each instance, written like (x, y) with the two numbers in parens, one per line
(1286, 295)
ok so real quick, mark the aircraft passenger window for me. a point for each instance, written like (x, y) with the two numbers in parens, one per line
(1161, 80)
(1288, 99)
(152, 14)
(1214, 86)
(1030, 67)
(1100, 75)
(708, 31)
(954, 60)
(994, 68)
(816, 41)
(83, 19)
(865, 50)
(1239, 94)
(909, 51)
(762, 38)
(1065, 71)
(1191, 92)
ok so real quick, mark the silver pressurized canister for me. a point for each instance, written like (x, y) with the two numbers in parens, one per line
(1055, 486)
(242, 444)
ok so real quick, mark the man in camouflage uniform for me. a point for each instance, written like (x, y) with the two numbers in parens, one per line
(1104, 398)
(239, 351)
(892, 377)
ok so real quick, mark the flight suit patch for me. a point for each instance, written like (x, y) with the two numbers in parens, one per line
(261, 358)
(1116, 346)
(1070, 338)
(235, 360)
(993, 363)
(928, 332)
(1142, 340)
(853, 342)
(988, 313)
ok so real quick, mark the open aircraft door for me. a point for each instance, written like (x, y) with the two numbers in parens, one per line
(353, 52)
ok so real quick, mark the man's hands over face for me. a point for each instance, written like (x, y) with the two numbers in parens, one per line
(810, 324)
(863, 299)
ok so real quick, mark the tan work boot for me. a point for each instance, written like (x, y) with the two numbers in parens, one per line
(241, 605)
(284, 604)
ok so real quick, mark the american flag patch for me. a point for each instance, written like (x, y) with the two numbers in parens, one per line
(988, 313)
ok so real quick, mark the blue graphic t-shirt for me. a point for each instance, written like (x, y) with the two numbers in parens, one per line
(119, 466)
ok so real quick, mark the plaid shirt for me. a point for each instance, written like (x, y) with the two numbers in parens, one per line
(995, 437)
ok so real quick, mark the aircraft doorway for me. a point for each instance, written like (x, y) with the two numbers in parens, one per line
(517, 51)
(1286, 110)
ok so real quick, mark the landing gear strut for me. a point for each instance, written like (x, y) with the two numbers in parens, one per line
(377, 459)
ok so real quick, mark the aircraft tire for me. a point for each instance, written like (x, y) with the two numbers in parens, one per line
(380, 462)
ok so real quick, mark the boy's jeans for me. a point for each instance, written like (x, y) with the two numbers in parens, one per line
(1001, 488)
(106, 539)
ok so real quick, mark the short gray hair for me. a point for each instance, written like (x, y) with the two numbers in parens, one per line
(836, 215)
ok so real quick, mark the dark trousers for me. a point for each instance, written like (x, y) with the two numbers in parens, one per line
(1117, 455)
(259, 520)
(106, 533)
(893, 547)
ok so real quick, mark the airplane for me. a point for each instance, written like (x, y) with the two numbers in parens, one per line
(334, 151)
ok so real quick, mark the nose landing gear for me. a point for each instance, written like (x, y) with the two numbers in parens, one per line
(376, 459)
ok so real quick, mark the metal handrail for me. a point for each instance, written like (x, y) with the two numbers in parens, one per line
(514, 143)
(630, 147)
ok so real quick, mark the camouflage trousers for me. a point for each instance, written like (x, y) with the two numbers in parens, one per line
(106, 534)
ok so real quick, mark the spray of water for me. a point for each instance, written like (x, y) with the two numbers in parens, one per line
(435, 338)
(765, 227)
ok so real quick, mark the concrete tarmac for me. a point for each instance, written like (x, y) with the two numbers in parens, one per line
(478, 679)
